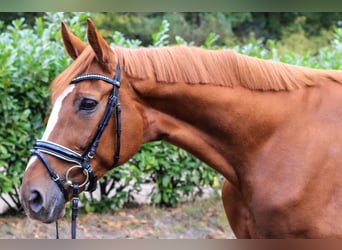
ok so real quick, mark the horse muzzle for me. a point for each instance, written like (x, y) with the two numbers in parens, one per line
(43, 204)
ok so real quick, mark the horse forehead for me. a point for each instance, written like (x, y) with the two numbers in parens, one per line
(54, 116)
(53, 119)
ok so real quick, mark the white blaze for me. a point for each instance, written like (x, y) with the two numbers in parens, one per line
(53, 119)
(32, 159)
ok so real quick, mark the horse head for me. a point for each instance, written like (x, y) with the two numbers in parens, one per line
(82, 138)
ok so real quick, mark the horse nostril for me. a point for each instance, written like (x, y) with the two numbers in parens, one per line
(35, 201)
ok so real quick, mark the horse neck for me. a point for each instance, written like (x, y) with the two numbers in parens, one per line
(219, 125)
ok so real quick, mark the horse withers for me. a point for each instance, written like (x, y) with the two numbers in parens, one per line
(272, 130)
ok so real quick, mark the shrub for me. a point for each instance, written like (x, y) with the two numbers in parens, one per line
(29, 60)
(178, 176)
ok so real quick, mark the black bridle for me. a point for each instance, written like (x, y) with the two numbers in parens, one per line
(82, 161)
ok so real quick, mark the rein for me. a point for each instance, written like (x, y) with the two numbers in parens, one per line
(82, 161)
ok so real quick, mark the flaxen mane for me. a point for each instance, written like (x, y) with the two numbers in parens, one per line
(199, 66)
(221, 67)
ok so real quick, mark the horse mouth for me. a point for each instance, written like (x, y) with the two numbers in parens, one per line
(46, 216)
(44, 208)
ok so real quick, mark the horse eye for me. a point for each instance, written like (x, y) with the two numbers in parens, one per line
(88, 104)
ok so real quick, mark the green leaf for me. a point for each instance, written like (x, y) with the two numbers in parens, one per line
(161, 38)
(166, 181)
(212, 37)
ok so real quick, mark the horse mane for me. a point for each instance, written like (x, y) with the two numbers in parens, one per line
(195, 65)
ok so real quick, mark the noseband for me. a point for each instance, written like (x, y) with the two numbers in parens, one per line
(82, 161)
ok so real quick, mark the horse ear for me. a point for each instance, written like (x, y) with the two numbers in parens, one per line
(103, 51)
(73, 45)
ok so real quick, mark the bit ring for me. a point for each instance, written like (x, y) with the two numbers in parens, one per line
(84, 172)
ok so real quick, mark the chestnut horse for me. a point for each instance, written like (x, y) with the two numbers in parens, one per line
(273, 130)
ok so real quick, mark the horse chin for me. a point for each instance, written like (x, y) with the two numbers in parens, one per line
(53, 217)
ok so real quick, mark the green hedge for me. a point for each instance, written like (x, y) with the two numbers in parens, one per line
(31, 58)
